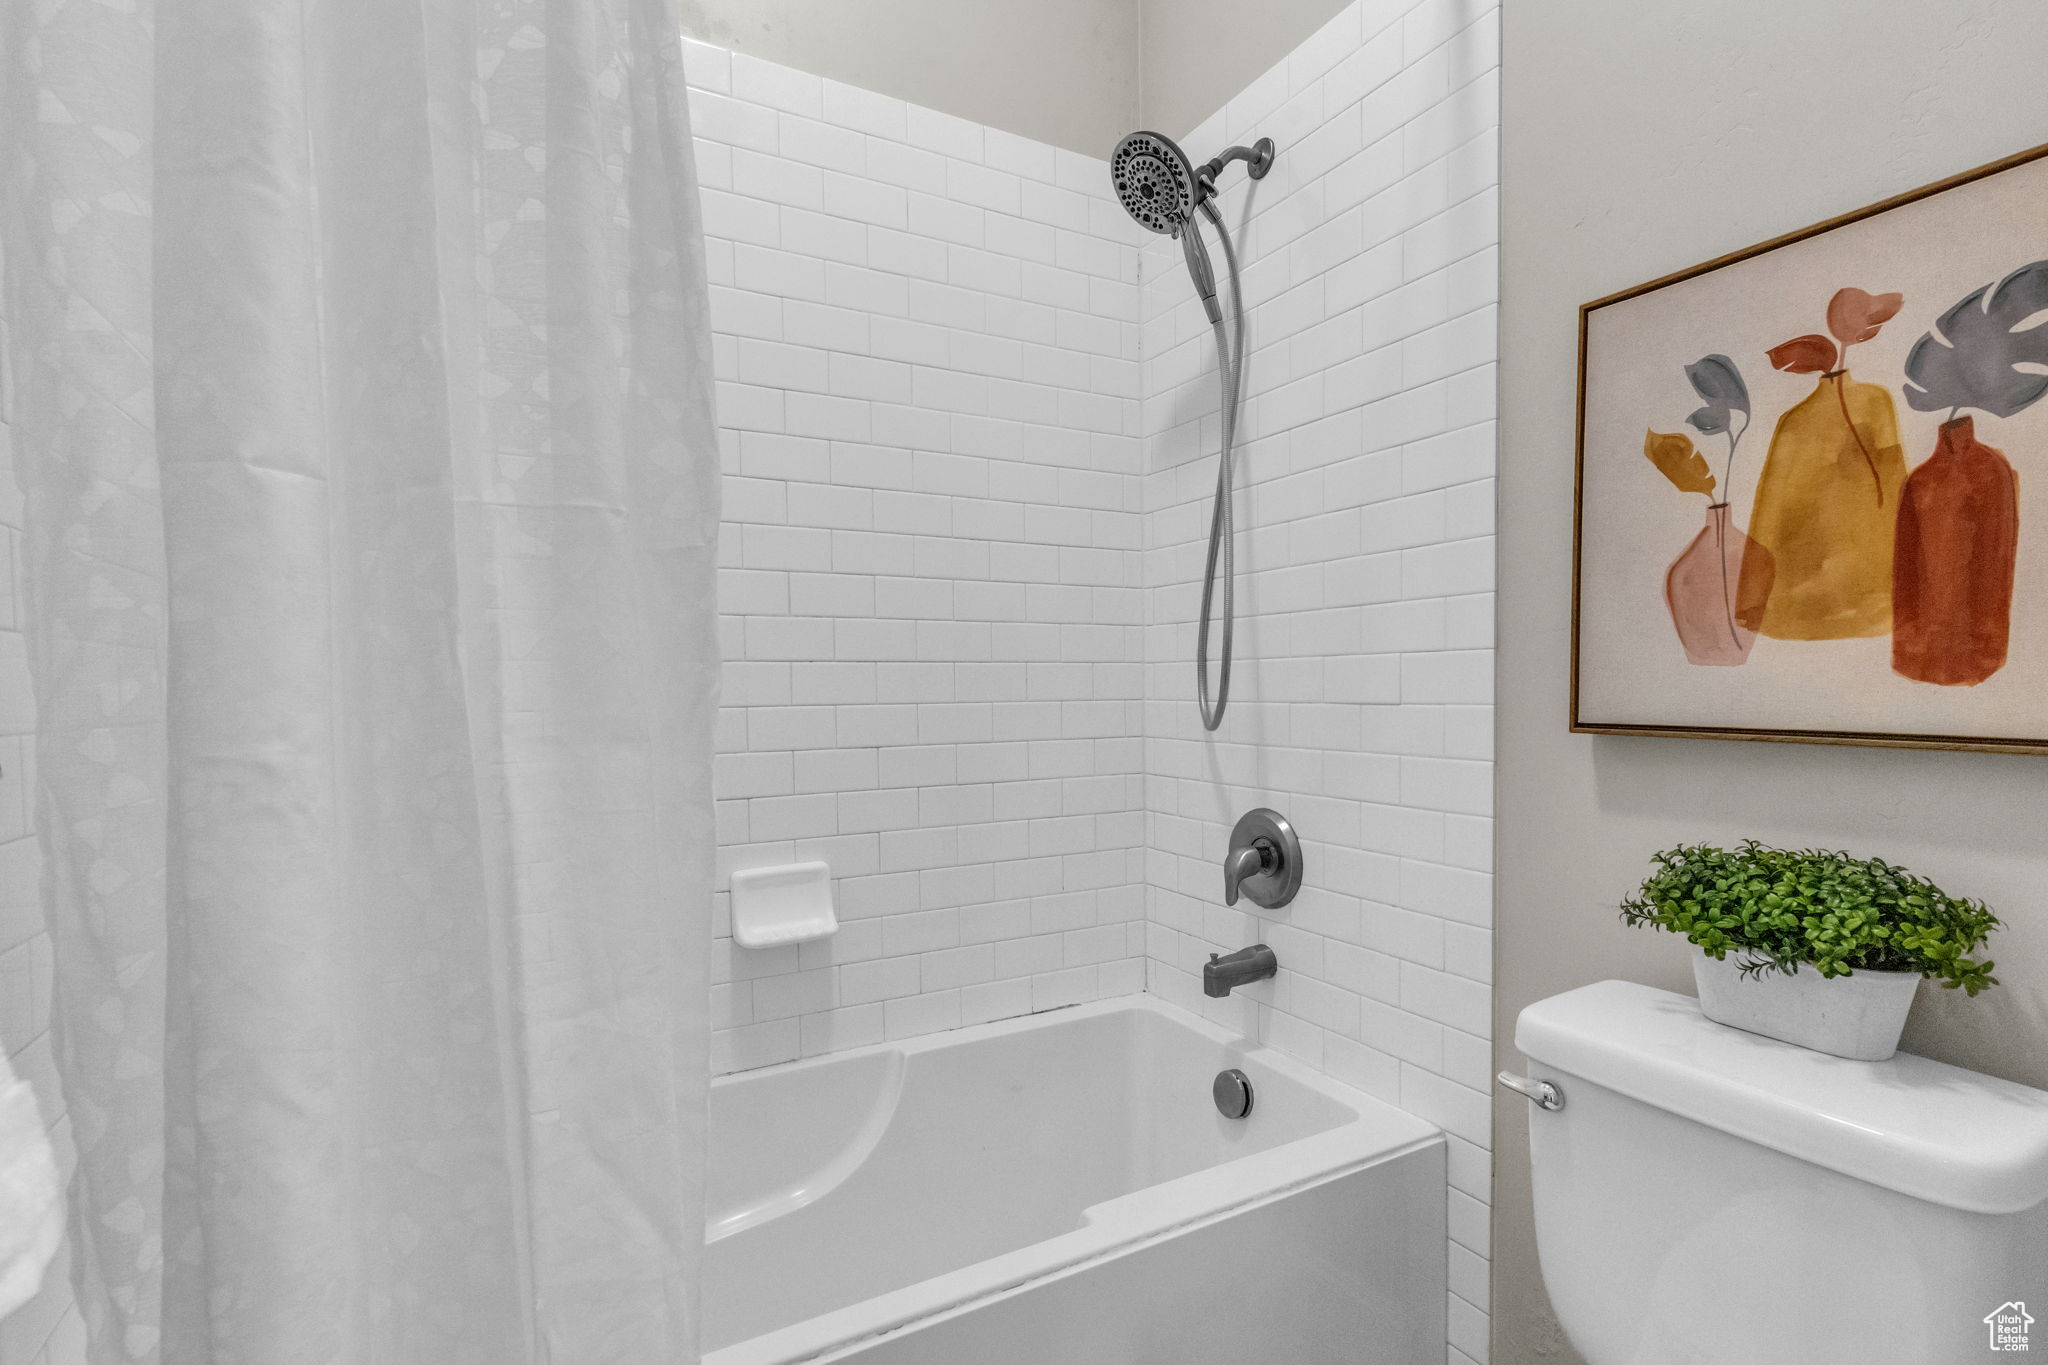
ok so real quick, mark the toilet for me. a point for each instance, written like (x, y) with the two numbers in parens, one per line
(1706, 1196)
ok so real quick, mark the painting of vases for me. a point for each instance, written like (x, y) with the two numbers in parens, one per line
(1875, 570)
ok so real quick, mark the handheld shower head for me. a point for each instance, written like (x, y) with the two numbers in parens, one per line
(1158, 186)
(1161, 188)
(1155, 181)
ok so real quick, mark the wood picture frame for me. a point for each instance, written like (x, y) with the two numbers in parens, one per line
(1845, 588)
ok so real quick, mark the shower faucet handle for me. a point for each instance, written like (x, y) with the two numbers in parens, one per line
(1245, 863)
(1264, 861)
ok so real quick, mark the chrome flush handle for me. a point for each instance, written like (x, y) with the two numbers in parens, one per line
(1542, 1094)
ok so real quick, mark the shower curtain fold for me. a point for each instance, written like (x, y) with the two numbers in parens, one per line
(361, 384)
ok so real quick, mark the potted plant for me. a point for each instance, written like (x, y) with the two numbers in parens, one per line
(1812, 947)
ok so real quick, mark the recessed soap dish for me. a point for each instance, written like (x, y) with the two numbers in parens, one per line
(772, 906)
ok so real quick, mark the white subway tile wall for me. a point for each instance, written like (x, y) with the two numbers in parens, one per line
(971, 419)
(932, 560)
(47, 1330)
(1361, 704)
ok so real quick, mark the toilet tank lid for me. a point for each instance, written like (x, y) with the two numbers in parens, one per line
(1910, 1124)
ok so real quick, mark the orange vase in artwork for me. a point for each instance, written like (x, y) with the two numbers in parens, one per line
(1952, 570)
(1720, 578)
(1826, 505)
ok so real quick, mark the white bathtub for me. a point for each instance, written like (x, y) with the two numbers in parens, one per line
(1061, 1190)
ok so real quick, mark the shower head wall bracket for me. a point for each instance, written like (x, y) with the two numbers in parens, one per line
(1257, 159)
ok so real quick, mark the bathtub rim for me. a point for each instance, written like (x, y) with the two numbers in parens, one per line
(1377, 1132)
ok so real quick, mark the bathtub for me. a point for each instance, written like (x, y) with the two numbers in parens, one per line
(1062, 1190)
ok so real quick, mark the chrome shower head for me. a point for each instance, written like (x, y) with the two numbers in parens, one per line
(1155, 181)
(1158, 187)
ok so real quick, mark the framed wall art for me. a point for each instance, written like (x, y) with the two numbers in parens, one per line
(1813, 482)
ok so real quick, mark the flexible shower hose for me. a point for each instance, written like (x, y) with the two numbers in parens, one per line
(1230, 370)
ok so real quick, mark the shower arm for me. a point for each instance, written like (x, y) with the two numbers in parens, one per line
(1257, 158)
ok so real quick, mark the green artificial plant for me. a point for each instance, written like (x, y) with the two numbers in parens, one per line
(1782, 908)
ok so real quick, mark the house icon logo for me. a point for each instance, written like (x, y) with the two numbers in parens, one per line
(2007, 1325)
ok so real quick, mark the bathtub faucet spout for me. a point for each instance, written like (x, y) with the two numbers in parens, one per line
(1222, 975)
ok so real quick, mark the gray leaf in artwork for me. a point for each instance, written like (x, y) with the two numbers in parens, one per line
(1709, 421)
(1716, 379)
(1990, 351)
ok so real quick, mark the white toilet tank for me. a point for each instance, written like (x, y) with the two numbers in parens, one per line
(1711, 1197)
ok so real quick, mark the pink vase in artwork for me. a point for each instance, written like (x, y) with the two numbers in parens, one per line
(1721, 580)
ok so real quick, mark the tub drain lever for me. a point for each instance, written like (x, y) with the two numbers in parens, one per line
(1233, 1092)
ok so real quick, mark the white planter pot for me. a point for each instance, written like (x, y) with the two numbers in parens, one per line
(1859, 1016)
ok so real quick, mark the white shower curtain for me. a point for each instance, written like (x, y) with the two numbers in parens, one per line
(361, 381)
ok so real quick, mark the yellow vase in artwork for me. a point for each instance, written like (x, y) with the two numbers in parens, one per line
(1826, 506)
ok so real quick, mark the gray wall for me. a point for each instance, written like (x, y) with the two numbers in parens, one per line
(1639, 139)
(1059, 71)
(1199, 53)
(1076, 73)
